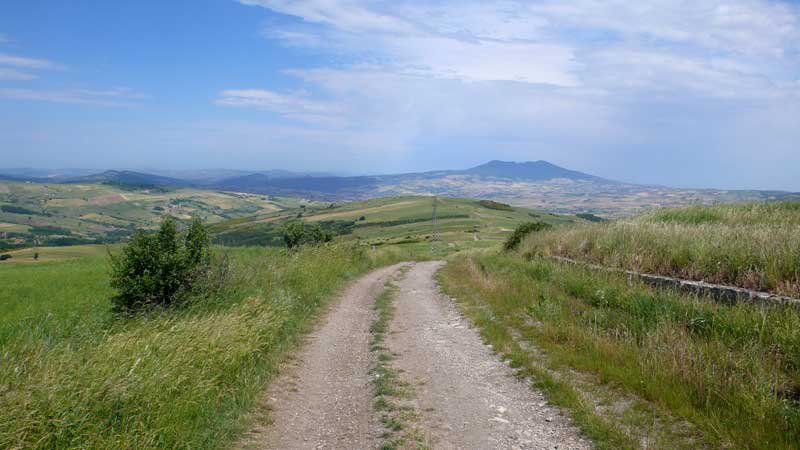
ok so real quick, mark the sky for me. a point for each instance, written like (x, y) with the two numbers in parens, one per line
(672, 92)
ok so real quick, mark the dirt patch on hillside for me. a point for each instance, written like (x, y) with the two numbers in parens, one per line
(107, 199)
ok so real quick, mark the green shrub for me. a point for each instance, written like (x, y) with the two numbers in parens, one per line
(523, 230)
(5, 256)
(495, 205)
(590, 217)
(297, 233)
(161, 269)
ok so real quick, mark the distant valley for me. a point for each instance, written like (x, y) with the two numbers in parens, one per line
(537, 184)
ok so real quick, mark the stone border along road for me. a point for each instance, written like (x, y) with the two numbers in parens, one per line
(467, 398)
(720, 292)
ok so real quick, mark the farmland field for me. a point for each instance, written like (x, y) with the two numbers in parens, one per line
(70, 214)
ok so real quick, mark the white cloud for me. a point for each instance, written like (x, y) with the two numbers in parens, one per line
(111, 98)
(398, 39)
(295, 106)
(26, 63)
(13, 74)
(558, 43)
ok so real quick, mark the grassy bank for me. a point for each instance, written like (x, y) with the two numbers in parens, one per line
(72, 375)
(755, 246)
(704, 374)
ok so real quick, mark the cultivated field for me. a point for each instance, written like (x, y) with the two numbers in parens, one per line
(70, 214)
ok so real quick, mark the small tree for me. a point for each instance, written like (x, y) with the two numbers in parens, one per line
(294, 233)
(159, 269)
(521, 232)
(297, 233)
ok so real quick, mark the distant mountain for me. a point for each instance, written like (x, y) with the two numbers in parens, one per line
(31, 174)
(355, 187)
(532, 170)
(535, 184)
(306, 186)
(129, 178)
(198, 176)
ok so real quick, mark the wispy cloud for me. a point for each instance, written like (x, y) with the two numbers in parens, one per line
(117, 98)
(552, 42)
(26, 63)
(13, 74)
(292, 106)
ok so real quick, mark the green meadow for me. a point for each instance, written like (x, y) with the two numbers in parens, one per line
(74, 375)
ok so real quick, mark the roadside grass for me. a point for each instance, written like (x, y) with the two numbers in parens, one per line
(711, 375)
(755, 246)
(391, 393)
(73, 375)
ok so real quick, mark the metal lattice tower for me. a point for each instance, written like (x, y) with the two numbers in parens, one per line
(434, 230)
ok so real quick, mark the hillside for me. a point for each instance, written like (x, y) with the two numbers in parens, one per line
(461, 223)
(130, 179)
(69, 214)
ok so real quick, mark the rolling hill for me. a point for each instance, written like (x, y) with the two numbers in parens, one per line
(537, 184)
(461, 223)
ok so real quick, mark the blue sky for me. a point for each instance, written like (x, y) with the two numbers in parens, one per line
(702, 94)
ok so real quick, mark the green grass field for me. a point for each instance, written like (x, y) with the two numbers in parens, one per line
(48, 254)
(755, 246)
(73, 375)
(462, 223)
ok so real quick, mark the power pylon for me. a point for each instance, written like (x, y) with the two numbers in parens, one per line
(434, 222)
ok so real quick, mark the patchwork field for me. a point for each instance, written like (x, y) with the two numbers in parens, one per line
(69, 214)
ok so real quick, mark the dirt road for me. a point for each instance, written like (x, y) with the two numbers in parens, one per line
(324, 399)
(465, 397)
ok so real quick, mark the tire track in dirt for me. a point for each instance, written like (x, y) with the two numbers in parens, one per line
(467, 398)
(324, 398)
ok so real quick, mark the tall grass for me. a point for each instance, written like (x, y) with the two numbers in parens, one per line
(72, 375)
(755, 246)
(733, 372)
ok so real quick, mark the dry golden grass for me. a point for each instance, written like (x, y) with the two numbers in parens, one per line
(755, 246)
